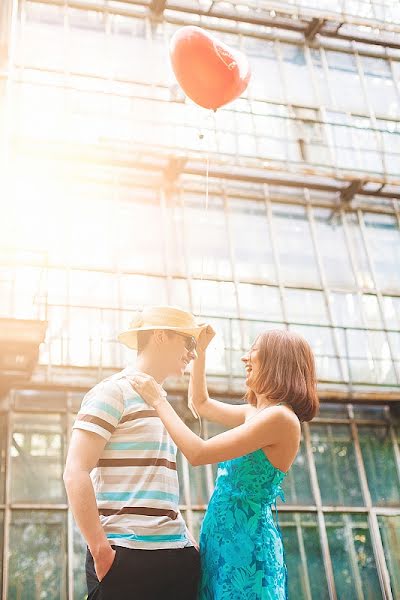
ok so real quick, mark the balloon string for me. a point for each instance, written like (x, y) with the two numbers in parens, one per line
(191, 406)
(205, 222)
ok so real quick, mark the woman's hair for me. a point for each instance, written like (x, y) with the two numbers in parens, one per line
(287, 373)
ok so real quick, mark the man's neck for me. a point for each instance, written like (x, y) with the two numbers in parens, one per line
(149, 365)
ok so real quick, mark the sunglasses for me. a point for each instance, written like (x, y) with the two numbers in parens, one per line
(190, 341)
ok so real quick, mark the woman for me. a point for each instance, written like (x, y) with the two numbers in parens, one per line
(240, 543)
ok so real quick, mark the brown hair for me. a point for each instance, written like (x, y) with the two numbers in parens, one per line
(287, 373)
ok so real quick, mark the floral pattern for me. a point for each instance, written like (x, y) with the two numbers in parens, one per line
(240, 544)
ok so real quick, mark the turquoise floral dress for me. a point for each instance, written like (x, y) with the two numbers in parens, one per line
(241, 547)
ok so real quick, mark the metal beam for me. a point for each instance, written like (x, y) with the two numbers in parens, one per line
(348, 194)
(313, 28)
(159, 161)
(157, 7)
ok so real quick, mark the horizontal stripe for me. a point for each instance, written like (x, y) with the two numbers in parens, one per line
(135, 401)
(96, 421)
(140, 414)
(140, 446)
(141, 495)
(139, 510)
(147, 538)
(166, 478)
(107, 408)
(136, 462)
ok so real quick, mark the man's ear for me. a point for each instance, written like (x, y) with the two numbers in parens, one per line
(159, 337)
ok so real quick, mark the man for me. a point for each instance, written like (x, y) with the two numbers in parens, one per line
(121, 476)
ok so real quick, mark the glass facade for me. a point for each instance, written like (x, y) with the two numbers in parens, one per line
(104, 210)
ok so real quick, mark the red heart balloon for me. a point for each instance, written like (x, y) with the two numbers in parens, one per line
(208, 71)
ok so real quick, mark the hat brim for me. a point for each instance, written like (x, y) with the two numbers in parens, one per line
(129, 338)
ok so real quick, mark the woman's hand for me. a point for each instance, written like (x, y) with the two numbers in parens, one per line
(205, 337)
(149, 389)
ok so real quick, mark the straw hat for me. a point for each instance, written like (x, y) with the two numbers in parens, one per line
(160, 317)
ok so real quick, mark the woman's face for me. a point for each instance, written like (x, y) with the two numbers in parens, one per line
(252, 364)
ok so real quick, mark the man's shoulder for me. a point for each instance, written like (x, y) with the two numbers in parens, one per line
(110, 386)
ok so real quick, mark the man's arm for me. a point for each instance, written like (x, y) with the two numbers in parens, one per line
(84, 452)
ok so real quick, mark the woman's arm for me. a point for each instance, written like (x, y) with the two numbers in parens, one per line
(212, 410)
(264, 430)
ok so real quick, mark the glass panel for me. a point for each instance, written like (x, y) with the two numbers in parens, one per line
(198, 485)
(297, 485)
(260, 302)
(371, 311)
(139, 290)
(390, 533)
(1, 547)
(89, 239)
(378, 76)
(307, 579)
(80, 589)
(383, 237)
(179, 293)
(175, 233)
(358, 248)
(3, 447)
(320, 77)
(40, 400)
(218, 352)
(37, 458)
(394, 339)
(335, 460)
(346, 309)
(351, 310)
(353, 561)
(38, 552)
(262, 58)
(391, 308)
(88, 288)
(299, 86)
(380, 465)
(333, 411)
(293, 239)
(212, 258)
(306, 306)
(369, 354)
(214, 298)
(343, 75)
(41, 33)
(179, 464)
(210, 430)
(365, 411)
(251, 241)
(333, 249)
(197, 516)
(140, 238)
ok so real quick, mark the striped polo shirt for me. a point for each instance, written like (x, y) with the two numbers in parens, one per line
(135, 479)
